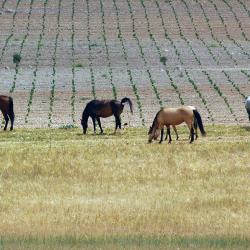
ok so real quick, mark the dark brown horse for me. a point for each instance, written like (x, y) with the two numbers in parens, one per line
(6, 106)
(104, 108)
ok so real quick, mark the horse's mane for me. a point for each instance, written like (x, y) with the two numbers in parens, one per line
(85, 113)
(155, 119)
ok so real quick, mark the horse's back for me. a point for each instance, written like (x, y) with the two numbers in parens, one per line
(176, 116)
(100, 108)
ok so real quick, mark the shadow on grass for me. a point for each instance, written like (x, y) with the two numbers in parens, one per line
(247, 128)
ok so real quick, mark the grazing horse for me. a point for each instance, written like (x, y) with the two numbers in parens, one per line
(6, 106)
(157, 133)
(104, 108)
(175, 116)
(247, 105)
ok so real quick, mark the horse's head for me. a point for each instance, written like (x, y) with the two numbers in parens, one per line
(157, 133)
(152, 134)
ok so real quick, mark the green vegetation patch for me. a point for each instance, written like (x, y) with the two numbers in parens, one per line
(133, 242)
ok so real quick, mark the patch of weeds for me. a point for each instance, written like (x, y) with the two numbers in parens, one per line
(68, 126)
(16, 58)
(79, 65)
(213, 45)
(163, 60)
(93, 45)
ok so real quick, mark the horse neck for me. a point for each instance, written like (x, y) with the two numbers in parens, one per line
(155, 124)
(85, 116)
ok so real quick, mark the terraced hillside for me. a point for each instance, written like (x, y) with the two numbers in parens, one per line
(159, 53)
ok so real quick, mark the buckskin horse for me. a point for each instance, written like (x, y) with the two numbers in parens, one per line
(175, 116)
(157, 133)
(97, 109)
(6, 106)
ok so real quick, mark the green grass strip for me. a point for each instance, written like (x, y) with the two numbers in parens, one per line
(128, 242)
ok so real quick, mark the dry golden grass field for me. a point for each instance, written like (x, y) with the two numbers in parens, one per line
(62, 190)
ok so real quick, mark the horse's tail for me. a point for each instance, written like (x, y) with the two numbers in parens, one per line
(11, 108)
(199, 122)
(126, 99)
(248, 111)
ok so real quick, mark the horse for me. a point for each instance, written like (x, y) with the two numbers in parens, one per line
(175, 116)
(247, 106)
(7, 108)
(157, 133)
(104, 108)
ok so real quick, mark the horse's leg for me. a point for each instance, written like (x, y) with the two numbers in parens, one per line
(94, 125)
(162, 133)
(6, 121)
(12, 117)
(166, 136)
(192, 134)
(117, 123)
(191, 128)
(6, 118)
(175, 130)
(168, 132)
(196, 129)
(100, 126)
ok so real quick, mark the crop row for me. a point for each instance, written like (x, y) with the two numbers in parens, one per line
(73, 85)
(227, 32)
(210, 51)
(215, 86)
(21, 48)
(237, 20)
(160, 54)
(125, 56)
(220, 43)
(7, 40)
(3, 4)
(38, 54)
(90, 53)
(178, 54)
(54, 59)
(152, 81)
(107, 51)
(244, 6)
(212, 83)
